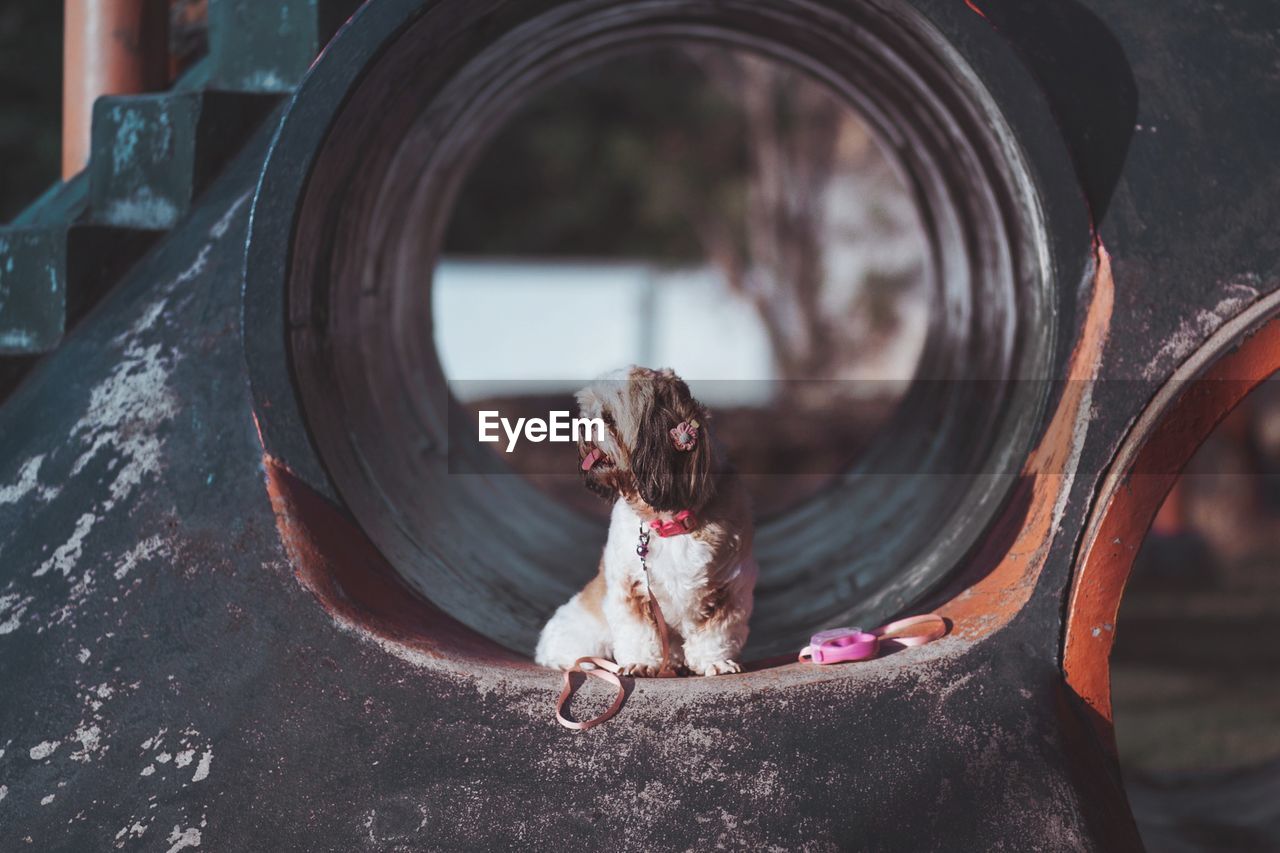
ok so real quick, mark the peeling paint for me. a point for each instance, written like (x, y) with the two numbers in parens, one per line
(155, 740)
(124, 414)
(1193, 331)
(202, 769)
(107, 444)
(145, 550)
(90, 739)
(65, 556)
(266, 81)
(43, 750)
(129, 127)
(1050, 470)
(148, 318)
(137, 830)
(183, 838)
(17, 340)
(124, 411)
(144, 209)
(12, 608)
(28, 481)
(197, 266)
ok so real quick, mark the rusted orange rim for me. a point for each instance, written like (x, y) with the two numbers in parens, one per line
(1238, 357)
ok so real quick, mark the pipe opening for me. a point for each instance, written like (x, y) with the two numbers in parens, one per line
(1193, 703)
(699, 208)
(488, 547)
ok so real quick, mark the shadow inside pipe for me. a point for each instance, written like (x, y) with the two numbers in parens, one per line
(1094, 99)
(351, 580)
(991, 552)
(338, 564)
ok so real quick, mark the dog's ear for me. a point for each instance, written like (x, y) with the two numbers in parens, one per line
(667, 478)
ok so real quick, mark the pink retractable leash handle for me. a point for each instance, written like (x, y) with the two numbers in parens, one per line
(848, 644)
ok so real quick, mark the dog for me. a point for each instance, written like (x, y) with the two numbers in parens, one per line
(674, 497)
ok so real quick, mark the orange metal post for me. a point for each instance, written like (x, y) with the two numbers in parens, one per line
(110, 47)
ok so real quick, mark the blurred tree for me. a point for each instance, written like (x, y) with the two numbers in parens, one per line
(705, 155)
(30, 101)
(611, 159)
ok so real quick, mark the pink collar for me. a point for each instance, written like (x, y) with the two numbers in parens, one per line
(683, 521)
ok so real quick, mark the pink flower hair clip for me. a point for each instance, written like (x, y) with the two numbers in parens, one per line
(684, 435)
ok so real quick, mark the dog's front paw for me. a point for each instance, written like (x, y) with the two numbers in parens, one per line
(719, 667)
(640, 670)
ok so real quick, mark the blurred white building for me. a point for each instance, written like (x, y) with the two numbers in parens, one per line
(509, 322)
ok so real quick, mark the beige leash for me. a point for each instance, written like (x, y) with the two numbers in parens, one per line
(608, 671)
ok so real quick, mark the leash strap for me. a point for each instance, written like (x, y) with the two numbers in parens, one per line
(601, 668)
(608, 671)
(665, 670)
(850, 644)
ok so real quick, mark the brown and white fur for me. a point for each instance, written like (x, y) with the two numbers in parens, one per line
(703, 580)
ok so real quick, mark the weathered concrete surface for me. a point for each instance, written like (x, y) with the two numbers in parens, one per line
(167, 682)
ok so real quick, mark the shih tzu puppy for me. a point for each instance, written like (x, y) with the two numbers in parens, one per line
(680, 530)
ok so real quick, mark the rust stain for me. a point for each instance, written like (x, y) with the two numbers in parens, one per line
(1160, 445)
(1010, 560)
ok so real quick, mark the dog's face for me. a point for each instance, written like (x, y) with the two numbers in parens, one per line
(638, 457)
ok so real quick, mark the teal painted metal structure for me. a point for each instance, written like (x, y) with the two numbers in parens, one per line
(152, 156)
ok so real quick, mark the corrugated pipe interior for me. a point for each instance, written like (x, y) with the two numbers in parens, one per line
(346, 231)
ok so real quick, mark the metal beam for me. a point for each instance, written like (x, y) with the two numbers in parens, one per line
(111, 47)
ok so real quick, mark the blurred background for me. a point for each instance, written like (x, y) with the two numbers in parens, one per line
(31, 120)
(699, 208)
(715, 212)
(1195, 670)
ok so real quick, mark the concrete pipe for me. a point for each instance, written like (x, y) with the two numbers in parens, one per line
(363, 174)
(236, 563)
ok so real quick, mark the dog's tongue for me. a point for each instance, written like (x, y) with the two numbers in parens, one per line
(592, 458)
